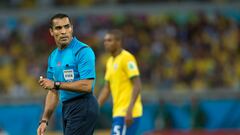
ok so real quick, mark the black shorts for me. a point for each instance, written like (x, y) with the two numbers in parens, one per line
(80, 115)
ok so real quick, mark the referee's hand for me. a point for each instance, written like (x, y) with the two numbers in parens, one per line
(41, 129)
(46, 83)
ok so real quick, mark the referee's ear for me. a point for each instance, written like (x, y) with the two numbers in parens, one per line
(51, 31)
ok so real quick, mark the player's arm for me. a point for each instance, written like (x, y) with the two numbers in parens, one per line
(135, 92)
(104, 94)
(131, 68)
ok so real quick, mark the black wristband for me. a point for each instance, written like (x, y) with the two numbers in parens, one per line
(57, 85)
(43, 121)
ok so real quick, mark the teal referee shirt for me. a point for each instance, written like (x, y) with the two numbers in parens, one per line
(75, 62)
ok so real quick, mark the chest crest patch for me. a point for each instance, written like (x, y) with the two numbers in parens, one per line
(68, 75)
(115, 66)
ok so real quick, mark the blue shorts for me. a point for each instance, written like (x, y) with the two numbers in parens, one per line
(80, 115)
(119, 126)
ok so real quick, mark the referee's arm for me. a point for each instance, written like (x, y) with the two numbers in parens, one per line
(85, 85)
(50, 104)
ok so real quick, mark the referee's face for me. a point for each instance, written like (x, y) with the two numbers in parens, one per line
(110, 43)
(62, 31)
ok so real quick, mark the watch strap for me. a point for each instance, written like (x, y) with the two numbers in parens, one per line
(43, 121)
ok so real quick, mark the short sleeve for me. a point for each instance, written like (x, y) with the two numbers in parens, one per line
(49, 69)
(130, 66)
(86, 63)
(107, 74)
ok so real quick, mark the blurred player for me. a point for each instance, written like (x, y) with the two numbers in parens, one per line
(70, 78)
(122, 79)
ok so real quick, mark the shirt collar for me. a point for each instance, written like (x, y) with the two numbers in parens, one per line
(74, 40)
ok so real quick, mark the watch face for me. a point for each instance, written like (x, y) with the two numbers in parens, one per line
(57, 83)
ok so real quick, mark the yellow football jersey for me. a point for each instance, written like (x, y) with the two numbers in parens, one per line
(119, 71)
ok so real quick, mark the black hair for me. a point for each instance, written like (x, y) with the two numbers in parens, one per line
(118, 35)
(59, 15)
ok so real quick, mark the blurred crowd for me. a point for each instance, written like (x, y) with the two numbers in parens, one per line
(194, 51)
(90, 3)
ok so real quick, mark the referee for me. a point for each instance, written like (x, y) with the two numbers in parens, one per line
(70, 79)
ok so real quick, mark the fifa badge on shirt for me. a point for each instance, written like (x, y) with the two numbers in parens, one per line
(68, 74)
(131, 65)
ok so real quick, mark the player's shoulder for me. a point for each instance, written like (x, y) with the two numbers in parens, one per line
(126, 54)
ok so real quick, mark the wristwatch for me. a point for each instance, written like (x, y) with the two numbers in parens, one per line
(57, 85)
(43, 121)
